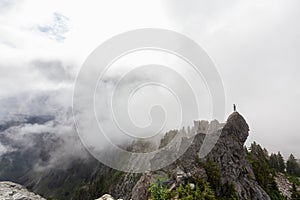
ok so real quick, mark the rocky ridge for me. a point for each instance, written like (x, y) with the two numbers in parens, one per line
(228, 154)
(13, 191)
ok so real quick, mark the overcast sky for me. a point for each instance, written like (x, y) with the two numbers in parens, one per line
(254, 44)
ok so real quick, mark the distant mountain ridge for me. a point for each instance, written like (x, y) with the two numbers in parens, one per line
(25, 119)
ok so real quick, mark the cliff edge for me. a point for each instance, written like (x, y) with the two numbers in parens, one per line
(13, 191)
(228, 156)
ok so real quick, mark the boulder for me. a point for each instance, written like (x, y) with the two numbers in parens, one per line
(13, 191)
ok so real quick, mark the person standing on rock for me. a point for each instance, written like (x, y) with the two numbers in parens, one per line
(234, 107)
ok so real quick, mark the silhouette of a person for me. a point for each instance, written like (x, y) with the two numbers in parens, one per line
(234, 107)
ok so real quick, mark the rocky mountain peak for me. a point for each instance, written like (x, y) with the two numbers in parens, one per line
(228, 156)
(237, 126)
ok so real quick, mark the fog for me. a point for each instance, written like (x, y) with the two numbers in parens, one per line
(254, 45)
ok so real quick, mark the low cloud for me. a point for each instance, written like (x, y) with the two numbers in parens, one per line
(53, 70)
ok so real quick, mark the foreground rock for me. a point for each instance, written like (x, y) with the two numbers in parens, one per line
(284, 185)
(13, 191)
(107, 197)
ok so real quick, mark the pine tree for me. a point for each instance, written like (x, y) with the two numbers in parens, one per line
(292, 167)
(281, 165)
(273, 162)
(259, 161)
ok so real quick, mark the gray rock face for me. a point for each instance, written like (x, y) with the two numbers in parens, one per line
(123, 188)
(237, 127)
(13, 191)
(284, 185)
(230, 155)
(140, 190)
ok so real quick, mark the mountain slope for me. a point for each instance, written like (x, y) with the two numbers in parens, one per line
(225, 172)
(225, 168)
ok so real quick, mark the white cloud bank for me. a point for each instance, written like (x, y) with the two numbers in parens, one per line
(255, 45)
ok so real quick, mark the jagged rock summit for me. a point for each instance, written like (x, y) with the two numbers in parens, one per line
(228, 154)
(13, 191)
(237, 126)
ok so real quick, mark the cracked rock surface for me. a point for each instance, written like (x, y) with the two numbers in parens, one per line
(13, 191)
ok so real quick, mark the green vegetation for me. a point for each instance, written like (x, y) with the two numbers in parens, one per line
(214, 179)
(99, 186)
(265, 168)
(201, 190)
(292, 174)
(259, 159)
(230, 193)
(276, 162)
(213, 174)
(295, 194)
(292, 166)
(293, 179)
(158, 191)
